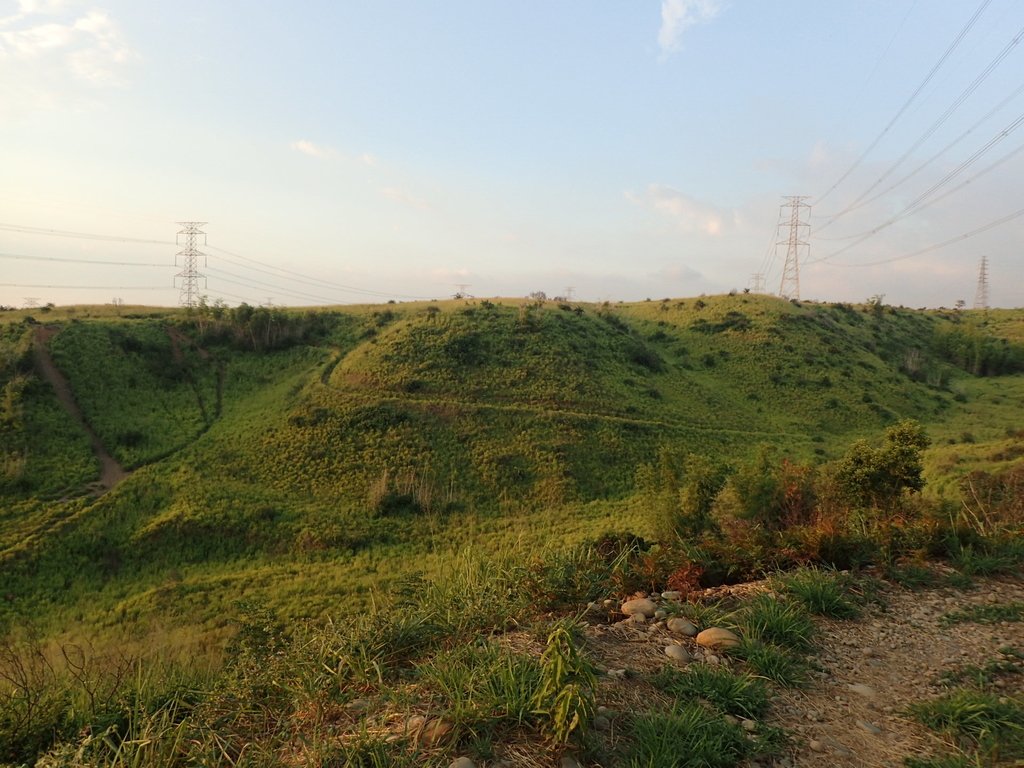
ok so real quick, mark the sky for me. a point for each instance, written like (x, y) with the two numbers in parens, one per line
(344, 152)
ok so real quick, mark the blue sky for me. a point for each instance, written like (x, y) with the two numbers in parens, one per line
(627, 149)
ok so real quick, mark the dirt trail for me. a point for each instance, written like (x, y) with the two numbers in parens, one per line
(869, 671)
(111, 472)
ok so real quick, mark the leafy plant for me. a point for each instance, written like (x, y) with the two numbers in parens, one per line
(565, 697)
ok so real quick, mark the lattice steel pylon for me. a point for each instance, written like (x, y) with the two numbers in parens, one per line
(795, 245)
(188, 290)
(981, 295)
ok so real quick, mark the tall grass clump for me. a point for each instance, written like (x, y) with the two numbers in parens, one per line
(823, 593)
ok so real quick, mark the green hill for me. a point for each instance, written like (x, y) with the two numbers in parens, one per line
(306, 459)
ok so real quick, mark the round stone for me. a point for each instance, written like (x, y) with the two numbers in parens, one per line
(677, 653)
(717, 637)
(641, 606)
(683, 627)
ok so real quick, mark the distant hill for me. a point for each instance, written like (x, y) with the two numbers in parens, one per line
(305, 457)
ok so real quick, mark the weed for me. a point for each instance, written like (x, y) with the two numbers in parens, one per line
(985, 614)
(565, 696)
(772, 662)
(687, 736)
(1010, 664)
(913, 576)
(823, 593)
(977, 720)
(776, 621)
(730, 693)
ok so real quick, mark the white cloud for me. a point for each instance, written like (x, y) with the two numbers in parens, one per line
(313, 150)
(677, 16)
(46, 49)
(691, 215)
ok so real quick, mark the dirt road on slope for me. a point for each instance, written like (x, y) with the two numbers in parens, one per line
(111, 472)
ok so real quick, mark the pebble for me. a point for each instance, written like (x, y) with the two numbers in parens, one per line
(817, 746)
(640, 606)
(672, 595)
(677, 653)
(731, 720)
(601, 723)
(569, 762)
(638, 618)
(749, 725)
(462, 762)
(681, 627)
(717, 637)
(660, 614)
(712, 660)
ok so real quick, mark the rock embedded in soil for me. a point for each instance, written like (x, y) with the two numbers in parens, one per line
(677, 653)
(435, 731)
(869, 727)
(683, 627)
(717, 637)
(462, 762)
(672, 595)
(641, 606)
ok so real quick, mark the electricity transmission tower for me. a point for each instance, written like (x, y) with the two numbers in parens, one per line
(188, 295)
(981, 296)
(757, 282)
(795, 246)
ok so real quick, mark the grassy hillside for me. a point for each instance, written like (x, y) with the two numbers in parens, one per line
(306, 459)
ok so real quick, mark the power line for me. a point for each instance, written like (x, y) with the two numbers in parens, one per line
(959, 238)
(926, 163)
(919, 204)
(89, 287)
(314, 281)
(906, 105)
(957, 103)
(81, 235)
(22, 257)
(248, 283)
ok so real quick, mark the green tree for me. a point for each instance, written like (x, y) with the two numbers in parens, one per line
(870, 477)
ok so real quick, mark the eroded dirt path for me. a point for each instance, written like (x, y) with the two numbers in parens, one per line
(111, 472)
(867, 672)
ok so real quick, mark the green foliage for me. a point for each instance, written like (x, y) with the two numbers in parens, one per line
(771, 493)
(988, 724)
(777, 621)
(780, 665)
(986, 614)
(973, 348)
(730, 693)
(1009, 667)
(869, 477)
(565, 696)
(823, 593)
(680, 490)
(687, 736)
(483, 688)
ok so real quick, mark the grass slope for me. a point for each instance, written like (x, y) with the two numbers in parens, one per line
(398, 434)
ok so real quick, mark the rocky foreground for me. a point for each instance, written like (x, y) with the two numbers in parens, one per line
(864, 673)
